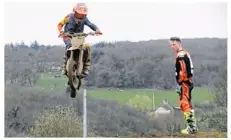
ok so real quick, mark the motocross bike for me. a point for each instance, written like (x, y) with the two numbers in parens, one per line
(74, 64)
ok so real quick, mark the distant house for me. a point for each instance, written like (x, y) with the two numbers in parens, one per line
(167, 112)
(166, 108)
(55, 68)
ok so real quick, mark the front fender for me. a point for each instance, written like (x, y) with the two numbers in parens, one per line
(73, 48)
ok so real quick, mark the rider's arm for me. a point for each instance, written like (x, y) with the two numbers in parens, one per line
(91, 25)
(184, 67)
(63, 22)
(177, 69)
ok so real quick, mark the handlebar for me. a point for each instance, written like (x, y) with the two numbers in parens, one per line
(71, 34)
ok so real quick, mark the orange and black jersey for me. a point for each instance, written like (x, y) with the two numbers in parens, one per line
(183, 67)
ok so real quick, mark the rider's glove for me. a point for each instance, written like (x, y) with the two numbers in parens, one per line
(178, 89)
(61, 34)
(98, 32)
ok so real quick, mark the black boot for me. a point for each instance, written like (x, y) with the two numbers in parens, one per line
(86, 61)
(64, 71)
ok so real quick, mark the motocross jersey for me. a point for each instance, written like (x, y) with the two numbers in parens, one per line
(183, 67)
(75, 25)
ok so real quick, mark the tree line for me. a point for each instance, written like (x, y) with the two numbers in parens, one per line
(123, 64)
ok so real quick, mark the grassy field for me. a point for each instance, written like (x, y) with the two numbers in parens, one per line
(199, 95)
(48, 81)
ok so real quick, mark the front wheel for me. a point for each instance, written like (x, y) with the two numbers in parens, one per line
(71, 73)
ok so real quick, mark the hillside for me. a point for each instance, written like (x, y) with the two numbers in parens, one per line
(145, 64)
(33, 86)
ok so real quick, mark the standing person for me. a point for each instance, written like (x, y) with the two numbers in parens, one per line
(184, 79)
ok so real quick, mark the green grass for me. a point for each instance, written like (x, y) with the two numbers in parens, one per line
(48, 81)
(199, 95)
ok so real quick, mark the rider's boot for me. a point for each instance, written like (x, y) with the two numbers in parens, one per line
(86, 60)
(64, 71)
(191, 123)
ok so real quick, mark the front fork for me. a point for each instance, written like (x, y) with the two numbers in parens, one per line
(79, 60)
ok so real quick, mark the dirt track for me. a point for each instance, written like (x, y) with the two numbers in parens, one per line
(198, 135)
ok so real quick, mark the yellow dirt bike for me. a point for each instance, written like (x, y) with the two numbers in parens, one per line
(74, 65)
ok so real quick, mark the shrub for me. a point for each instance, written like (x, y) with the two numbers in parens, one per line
(58, 122)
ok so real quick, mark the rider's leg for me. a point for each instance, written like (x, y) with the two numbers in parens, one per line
(67, 44)
(187, 109)
(86, 59)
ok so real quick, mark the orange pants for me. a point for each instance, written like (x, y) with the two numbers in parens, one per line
(185, 97)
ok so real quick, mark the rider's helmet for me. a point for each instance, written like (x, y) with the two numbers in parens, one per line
(80, 10)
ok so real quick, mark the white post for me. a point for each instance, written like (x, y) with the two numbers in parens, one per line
(153, 102)
(85, 113)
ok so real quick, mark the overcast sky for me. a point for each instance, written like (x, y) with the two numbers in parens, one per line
(30, 21)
